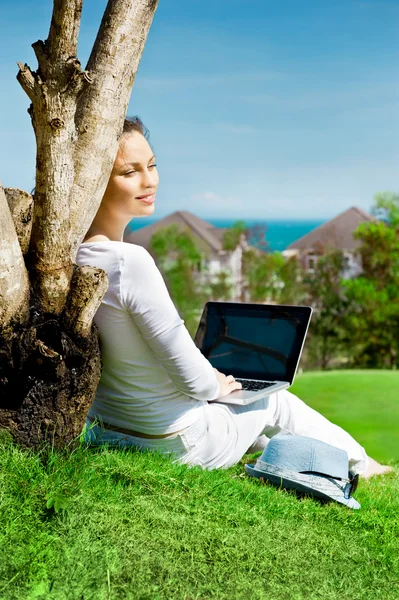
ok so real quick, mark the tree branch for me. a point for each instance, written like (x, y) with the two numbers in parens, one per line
(88, 287)
(40, 51)
(62, 41)
(75, 116)
(27, 80)
(102, 106)
(53, 90)
(14, 282)
(49, 250)
(20, 204)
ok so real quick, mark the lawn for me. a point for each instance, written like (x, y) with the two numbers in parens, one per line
(365, 403)
(111, 524)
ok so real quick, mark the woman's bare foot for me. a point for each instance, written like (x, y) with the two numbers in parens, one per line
(375, 468)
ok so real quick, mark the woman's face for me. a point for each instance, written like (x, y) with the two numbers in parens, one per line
(134, 179)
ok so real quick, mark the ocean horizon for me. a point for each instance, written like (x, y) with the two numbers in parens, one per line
(279, 233)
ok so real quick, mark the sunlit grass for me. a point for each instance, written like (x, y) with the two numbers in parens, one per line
(105, 523)
(364, 402)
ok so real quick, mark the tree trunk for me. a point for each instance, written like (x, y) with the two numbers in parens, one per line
(325, 359)
(49, 354)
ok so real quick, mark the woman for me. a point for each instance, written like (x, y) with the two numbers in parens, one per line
(155, 385)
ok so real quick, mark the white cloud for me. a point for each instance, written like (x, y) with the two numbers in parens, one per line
(217, 202)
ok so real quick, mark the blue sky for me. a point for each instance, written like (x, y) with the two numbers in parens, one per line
(256, 109)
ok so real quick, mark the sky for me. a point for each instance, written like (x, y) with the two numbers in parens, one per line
(256, 110)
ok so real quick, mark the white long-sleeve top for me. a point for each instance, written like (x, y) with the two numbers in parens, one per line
(154, 379)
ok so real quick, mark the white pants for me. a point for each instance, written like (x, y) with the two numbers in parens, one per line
(225, 433)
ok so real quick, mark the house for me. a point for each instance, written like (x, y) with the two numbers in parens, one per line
(336, 234)
(209, 239)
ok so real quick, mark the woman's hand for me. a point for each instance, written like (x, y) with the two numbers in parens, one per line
(227, 384)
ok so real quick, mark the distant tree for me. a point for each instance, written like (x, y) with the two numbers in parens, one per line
(373, 320)
(221, 287)
(268, 276)
(256, 236)
(293, 289)
(373, 297)
(179, 260)
(232, 236)
(327, 333)
(379, 249)
(386, 208)
(260, 274)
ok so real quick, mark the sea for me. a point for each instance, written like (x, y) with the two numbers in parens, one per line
(278, 233)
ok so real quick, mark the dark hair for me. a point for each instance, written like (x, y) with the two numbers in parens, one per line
(132, 124)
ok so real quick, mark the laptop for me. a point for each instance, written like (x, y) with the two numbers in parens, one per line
(259, 344)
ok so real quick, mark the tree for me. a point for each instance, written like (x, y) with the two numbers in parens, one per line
(327, 334)
(179, 260)
(221, 287)
(233, 235)
(49, 355)
(256, 236)
(386, 208)
(292, 290)
(260, 274)
(373, 297)
(270, 277)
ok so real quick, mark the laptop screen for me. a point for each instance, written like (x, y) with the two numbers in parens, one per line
(253, 341)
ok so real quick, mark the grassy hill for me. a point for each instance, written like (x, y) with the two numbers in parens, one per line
(112, 524)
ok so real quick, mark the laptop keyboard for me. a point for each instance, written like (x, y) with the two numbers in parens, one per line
(254, 386)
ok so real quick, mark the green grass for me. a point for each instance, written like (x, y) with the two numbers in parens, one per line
(365, 403)
(133, 525)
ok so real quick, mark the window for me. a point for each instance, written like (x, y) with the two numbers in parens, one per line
(311, 262)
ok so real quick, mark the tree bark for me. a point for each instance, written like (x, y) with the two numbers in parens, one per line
(101, 110)
(50, 360)
(78, 118)
(88, 288)
(53, 90)
(14, 281)
(20, 204)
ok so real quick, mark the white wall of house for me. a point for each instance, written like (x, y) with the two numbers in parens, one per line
(214, 266)
(227, 262)
(353, 265)
(236, 272)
